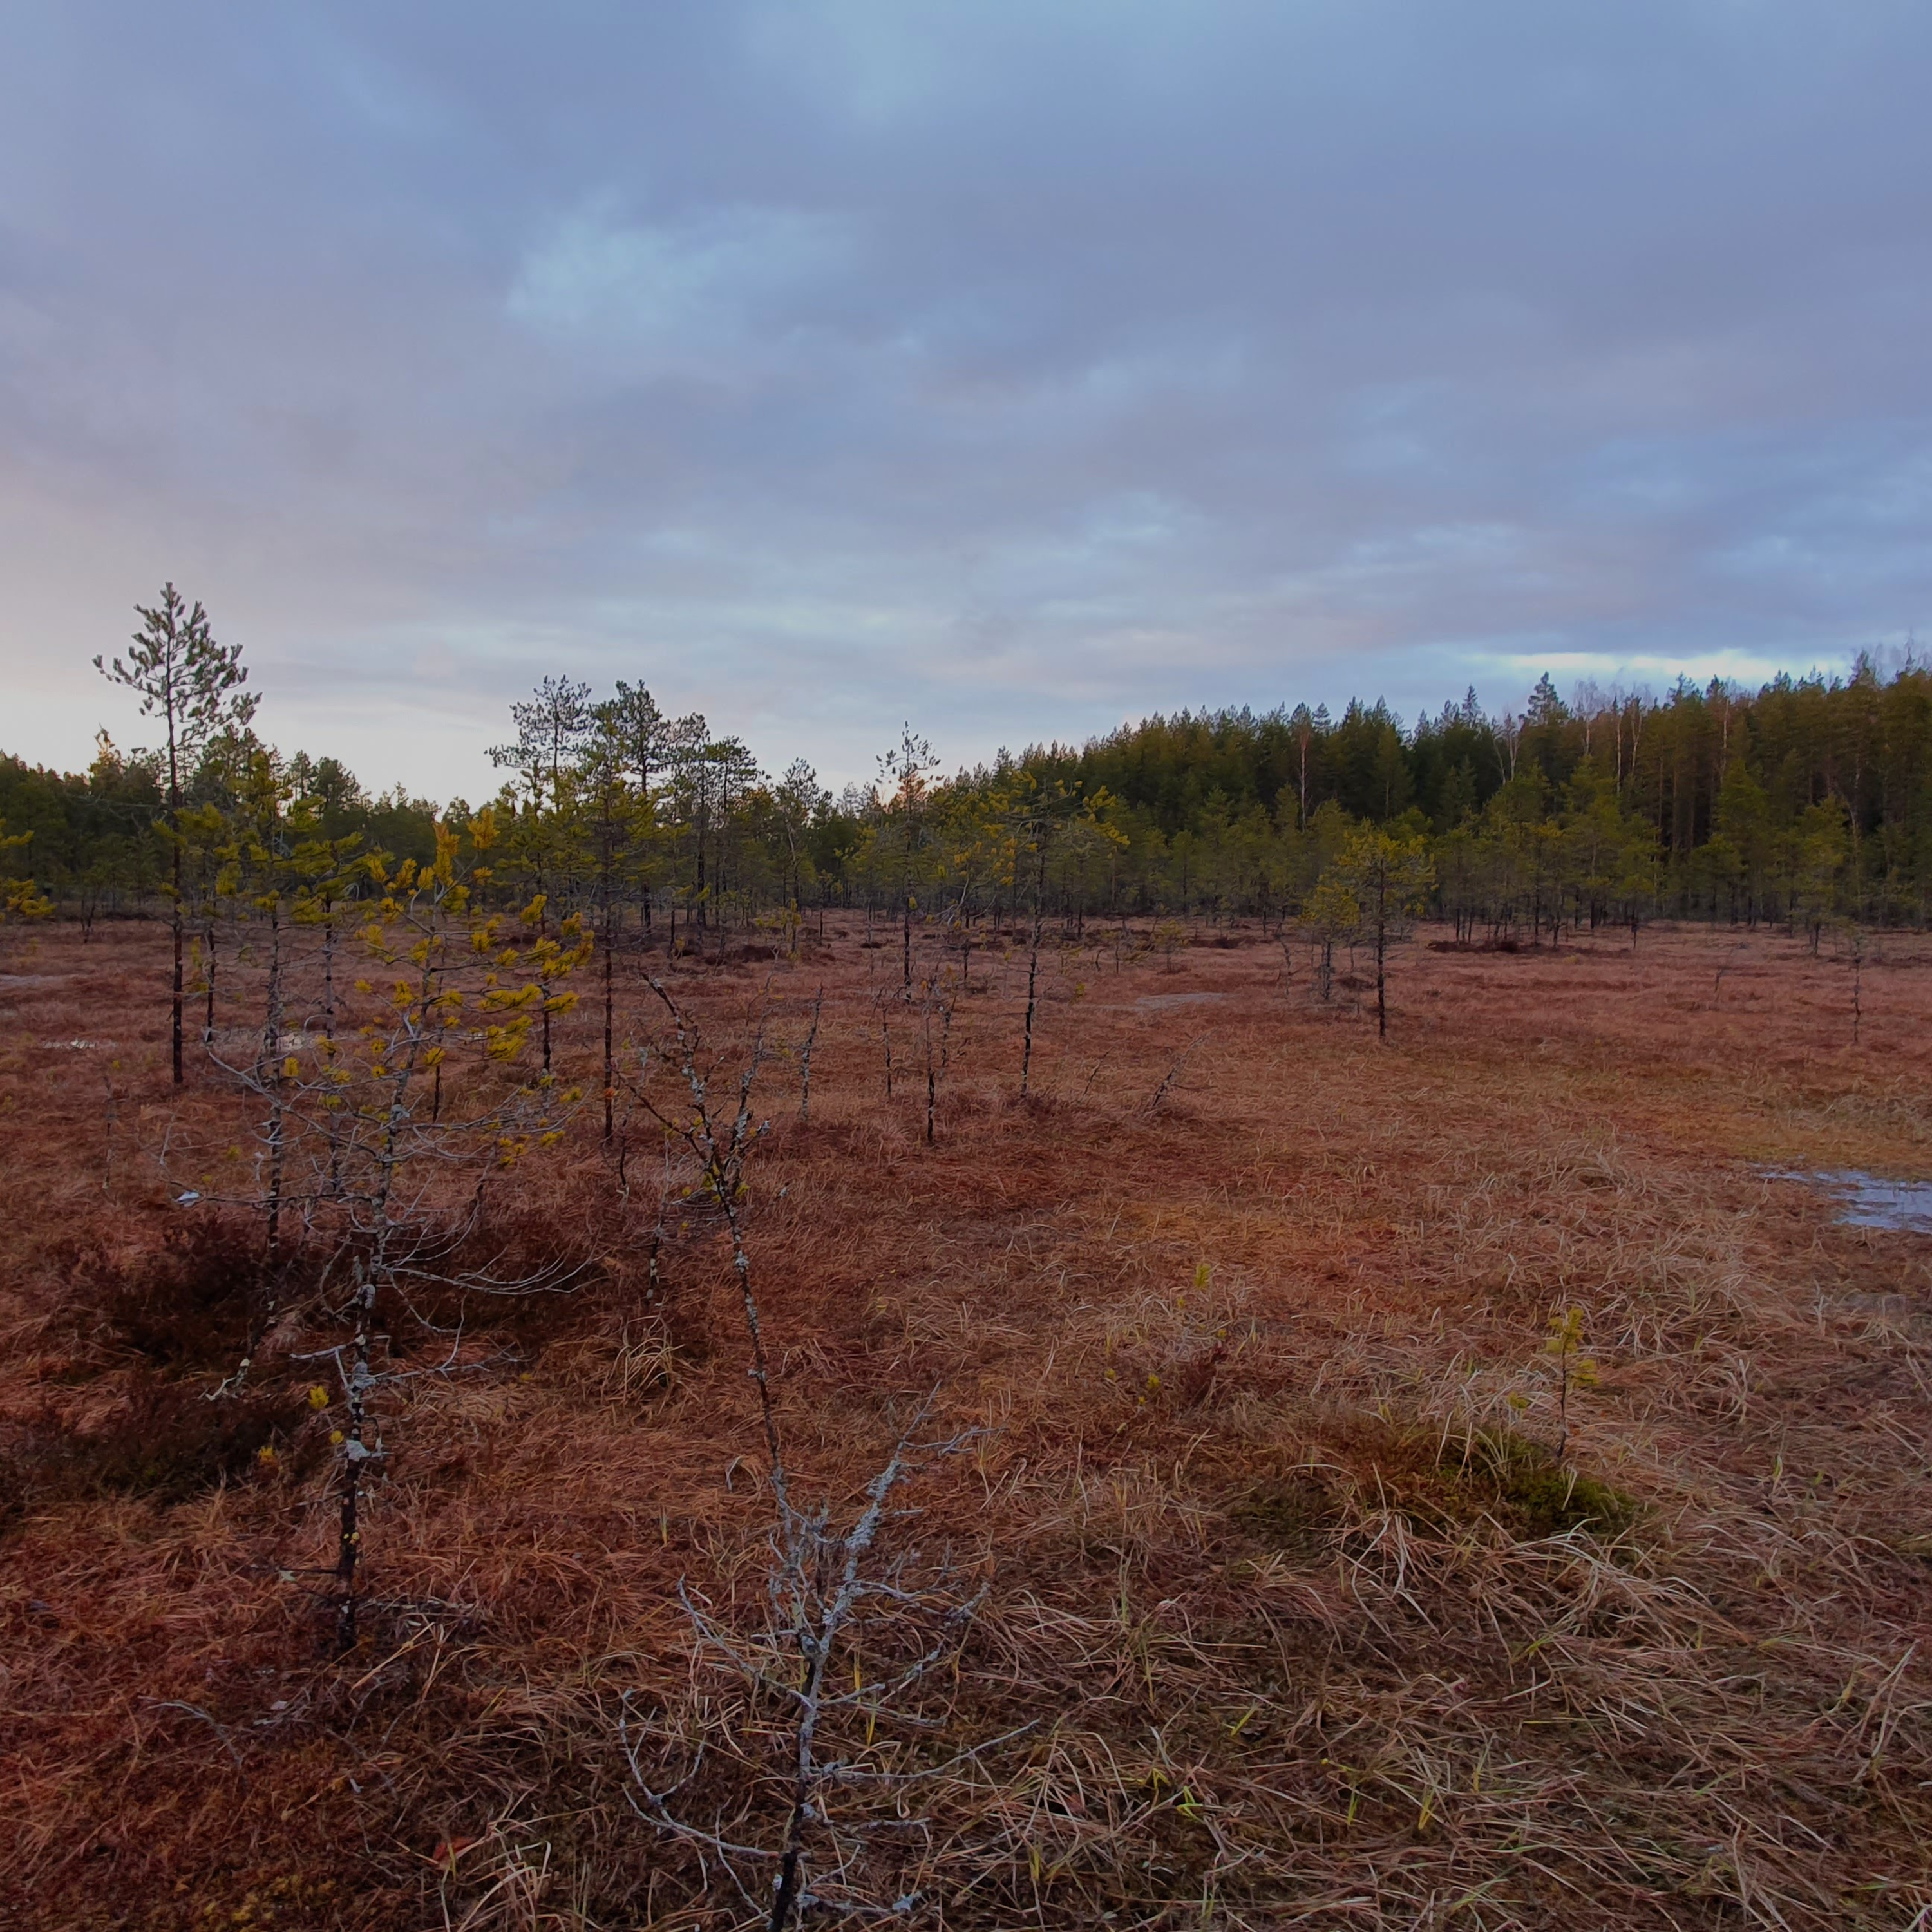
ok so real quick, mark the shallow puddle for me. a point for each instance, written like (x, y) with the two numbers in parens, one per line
(1869, 1201)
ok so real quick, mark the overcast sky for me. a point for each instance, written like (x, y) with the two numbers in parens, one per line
(1014, 368)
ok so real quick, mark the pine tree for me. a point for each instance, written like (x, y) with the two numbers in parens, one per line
(194, 686)
(1387, 879)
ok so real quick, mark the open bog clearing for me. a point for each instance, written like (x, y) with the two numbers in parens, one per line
(1473, 1479)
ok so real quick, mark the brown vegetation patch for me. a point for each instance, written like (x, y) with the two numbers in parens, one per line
(1294, 1613)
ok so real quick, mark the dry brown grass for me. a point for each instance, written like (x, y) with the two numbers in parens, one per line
(1309, 1636)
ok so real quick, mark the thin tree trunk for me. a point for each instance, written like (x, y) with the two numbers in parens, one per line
(272, 1056)
(931, 1072)
(610, 1034)
(328, 1039)
(207, 940)
(1381, 998)
(355, 1453)
(179, 938)
(1033, 977)
(810, 1040)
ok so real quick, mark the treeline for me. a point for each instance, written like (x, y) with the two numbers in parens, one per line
(1808, 800)
(95, 842)
(1808, 803)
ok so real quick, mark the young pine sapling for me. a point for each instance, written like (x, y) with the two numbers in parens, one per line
(1575, 1370)
(192, 686)
(393, 1163)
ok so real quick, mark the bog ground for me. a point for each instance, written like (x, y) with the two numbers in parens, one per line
(1300, 1591)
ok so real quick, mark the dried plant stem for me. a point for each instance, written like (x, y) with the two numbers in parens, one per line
(113, 1119)
(1032, 972)
(805, 1060)
(720, 1156)
(1172, 1074)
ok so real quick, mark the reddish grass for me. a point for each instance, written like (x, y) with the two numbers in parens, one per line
(1305, 1645)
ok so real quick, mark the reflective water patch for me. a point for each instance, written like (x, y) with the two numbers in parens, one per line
(1870, 1200)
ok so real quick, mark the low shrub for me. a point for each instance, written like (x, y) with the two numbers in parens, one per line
(167, 1441)
(1543, 1495)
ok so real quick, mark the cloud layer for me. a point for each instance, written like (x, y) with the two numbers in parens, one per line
(1013, 369)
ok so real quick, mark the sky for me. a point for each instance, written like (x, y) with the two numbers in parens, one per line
(1013, 369)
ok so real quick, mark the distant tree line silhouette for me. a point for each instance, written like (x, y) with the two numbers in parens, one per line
(1806, 803)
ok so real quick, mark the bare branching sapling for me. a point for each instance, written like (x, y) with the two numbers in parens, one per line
(846, 1756)
(832, 1594)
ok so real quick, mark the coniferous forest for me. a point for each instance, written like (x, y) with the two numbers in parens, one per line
(1806, 803)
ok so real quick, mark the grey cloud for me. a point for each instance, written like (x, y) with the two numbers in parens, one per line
(1015, 369)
